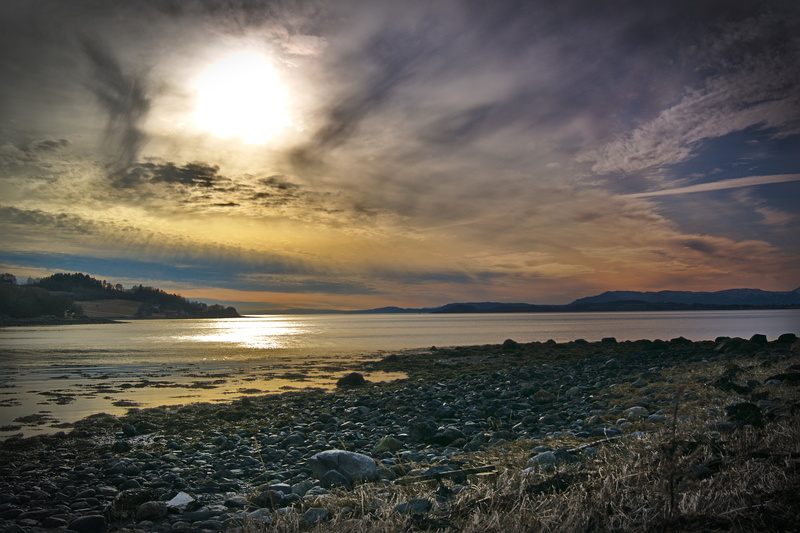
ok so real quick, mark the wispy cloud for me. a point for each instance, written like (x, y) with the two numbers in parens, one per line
(752, 83)
(735, 183)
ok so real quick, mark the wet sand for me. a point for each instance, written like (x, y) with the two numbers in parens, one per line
(45, 401)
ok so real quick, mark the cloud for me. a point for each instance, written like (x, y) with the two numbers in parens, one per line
(195, 174)
(735, 183)
(755, 69)
(123, 96)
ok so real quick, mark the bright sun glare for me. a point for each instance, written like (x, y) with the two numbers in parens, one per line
(241, 96)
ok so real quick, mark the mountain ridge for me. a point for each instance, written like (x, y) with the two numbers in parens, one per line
(624, 301)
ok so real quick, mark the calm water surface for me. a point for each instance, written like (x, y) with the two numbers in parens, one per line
(62, 373)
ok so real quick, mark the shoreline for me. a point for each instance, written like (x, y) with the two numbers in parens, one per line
(460, 408)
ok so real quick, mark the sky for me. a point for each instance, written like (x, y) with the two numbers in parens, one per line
(352, 155)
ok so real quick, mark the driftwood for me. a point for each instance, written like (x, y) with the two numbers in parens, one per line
(446, 475)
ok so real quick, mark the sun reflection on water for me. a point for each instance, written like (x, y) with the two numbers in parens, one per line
(258, 333)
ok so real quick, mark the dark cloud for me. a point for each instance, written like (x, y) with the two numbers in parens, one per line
(40, 219)
(196, 174)
(48, 145)
(123, 96)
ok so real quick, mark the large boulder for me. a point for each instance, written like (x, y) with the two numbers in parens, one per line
(126, 503)
(353, 466)
(353, 380)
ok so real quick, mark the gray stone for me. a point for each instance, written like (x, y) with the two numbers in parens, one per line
(542, 397)
(387, 444)
(315, 515)
(180, 501)
(634, 413)
(354, 466)
(302, 487)
(414, 506)
(236, 502)
(89, 524)
(351, 381)
(334, 478)
(152, 510)
(543, 460)
(127, 502)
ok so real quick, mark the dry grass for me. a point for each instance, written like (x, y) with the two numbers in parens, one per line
(625, 488)
(681, 477)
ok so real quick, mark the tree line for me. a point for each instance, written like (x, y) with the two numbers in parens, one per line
(56, 295)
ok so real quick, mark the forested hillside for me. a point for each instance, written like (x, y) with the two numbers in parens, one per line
(56, 295)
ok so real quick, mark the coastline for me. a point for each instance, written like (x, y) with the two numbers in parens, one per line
(460, 408)
(8, 322)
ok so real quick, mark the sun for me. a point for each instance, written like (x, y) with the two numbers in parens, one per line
(241, 96)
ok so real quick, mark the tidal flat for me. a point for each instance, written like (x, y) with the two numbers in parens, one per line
(644, 435)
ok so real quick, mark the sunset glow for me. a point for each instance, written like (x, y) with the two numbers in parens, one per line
(337, 155)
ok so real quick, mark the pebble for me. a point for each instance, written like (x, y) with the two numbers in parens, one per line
(189, 467)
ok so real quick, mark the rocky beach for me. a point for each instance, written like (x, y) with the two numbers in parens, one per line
(405, 454)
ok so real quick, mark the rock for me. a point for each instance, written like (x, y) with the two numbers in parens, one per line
(121, 447)
(414, 506)
(89, 524)
(445, 411)
(387, 444)
(128, 430)
(354, 466)
(509, 344)
(127, 502)
(152, 510)
(759, 339)
(52, 522)
(293, 440)
(544, 461)
(302, 487)
(788, 338)
(606, 432)
(636, 412)
(542, 397)
(334, 478)
(315, 515)
(261, 515)
(790, 378)
(422, 429)
(447, 436)
(236, 502)
(352, 380)
(180, 501)
(746, 413)
(608, 340)
(271, 499)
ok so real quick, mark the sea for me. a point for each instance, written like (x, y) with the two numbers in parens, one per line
(51, 376)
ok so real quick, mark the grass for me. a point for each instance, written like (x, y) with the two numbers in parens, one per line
(680, 477)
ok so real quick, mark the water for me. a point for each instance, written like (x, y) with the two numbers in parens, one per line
(62, 373)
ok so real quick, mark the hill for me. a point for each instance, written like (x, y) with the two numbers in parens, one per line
(627, 301)
(737, 297)
(79, 295)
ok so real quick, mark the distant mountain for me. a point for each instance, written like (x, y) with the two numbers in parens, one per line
(494, 307)
(394, 310)
(731, 297)
(624, 301)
